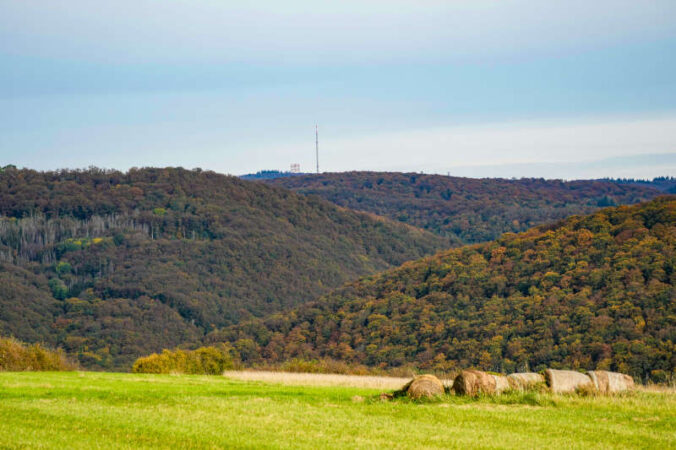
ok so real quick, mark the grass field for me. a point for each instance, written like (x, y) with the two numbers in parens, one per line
(111, 410)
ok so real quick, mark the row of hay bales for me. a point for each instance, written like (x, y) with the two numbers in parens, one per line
(475, 382)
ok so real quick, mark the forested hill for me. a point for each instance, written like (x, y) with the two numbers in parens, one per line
(468, 210)
(589, 292)
(114, 265)
(662, 184)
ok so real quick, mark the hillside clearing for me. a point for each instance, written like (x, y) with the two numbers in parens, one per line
(113, 410)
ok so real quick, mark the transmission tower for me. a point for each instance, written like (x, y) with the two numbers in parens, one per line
(317, 145)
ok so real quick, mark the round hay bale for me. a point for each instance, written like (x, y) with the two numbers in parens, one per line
(474, 382)
(600, 380)
(501, 384)
(565, 381)
(424, 386)
(611, 382)
(524, 380)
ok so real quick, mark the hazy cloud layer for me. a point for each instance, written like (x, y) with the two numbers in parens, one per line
(323, 32)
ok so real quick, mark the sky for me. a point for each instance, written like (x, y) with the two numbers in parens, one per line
(556, 89)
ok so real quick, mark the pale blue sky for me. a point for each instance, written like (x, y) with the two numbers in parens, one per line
(571, 89)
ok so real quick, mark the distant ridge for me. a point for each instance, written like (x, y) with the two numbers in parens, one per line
(662, 184)
(467, 210)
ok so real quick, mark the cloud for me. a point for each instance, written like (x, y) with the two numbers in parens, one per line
(636, 166)
(307, 32)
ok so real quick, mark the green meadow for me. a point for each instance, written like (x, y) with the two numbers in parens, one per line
(115, 410)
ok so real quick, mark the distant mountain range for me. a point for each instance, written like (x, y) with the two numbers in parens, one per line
(589, 292)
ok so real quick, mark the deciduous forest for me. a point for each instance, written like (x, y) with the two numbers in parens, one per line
(589, 292)
(467, 210)
(113, 265)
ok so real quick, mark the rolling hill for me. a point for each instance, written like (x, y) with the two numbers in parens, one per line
(468, 210)
(591, 292)
(114, 265)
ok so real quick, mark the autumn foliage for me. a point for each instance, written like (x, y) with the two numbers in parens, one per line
(590, 292)
(16, 356)
(111, 265)
(202, 361)
(467, 210)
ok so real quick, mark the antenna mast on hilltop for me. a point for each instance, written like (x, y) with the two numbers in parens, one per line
(317, 145)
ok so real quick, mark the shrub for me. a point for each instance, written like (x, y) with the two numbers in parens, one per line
(59, 289)
(16, 356)
(203, 361)
(63, 268)
(661, 376)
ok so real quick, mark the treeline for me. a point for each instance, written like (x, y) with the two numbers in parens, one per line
(664, 184)
(268, 175)
(592, 292)
(112, 265)
(467, 210)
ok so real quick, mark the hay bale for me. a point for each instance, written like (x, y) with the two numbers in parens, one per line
(501, 384)
(611, 382)
(524, 380)
(562, 381)
(424, 386)
(474, 382)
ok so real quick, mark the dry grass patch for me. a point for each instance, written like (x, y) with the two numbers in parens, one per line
(656, 388)
(319, 379)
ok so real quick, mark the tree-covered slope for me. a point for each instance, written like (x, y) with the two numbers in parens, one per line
(662, 184)
(589, 292)
(468, 210)
(113, 265)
